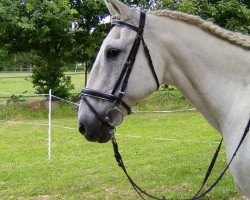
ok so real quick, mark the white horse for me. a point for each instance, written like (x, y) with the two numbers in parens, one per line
(209, 65)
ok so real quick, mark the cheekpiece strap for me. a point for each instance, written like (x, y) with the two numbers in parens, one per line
(125, 73)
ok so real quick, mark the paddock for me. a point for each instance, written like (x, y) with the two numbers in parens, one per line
(165, 153)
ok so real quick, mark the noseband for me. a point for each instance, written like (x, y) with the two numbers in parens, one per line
(122, 80)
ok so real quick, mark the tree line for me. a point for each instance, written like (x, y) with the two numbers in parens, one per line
(50, 36)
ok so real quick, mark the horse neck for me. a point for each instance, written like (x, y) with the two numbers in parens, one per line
(212, 73)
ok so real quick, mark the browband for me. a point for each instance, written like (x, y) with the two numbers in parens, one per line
(124, 24)
(130, 26)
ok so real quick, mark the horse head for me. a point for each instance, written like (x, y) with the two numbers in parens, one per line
(122, 75)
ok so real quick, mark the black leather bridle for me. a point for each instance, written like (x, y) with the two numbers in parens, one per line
(123, 79)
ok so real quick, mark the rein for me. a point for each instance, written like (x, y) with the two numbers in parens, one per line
(198, 194)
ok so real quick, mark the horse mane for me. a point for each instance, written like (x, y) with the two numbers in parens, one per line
(233, 37)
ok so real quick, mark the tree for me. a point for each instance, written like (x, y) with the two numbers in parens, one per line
(52, 37)
(42, 32)
(44, 27)
(142, 4)
(233, 15)
(230, 14)
(170, 4)
(19, 61)
(89, 30)
(8, 23)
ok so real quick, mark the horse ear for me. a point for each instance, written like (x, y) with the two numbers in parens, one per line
(110, 8)
(118, 9)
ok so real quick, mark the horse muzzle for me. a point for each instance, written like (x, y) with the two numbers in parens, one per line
(96, 127)
(95, 134)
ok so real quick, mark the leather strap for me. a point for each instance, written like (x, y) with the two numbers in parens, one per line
(105, 96)
(150, 62)
(199, 194)
(124, 24)
(126, 71)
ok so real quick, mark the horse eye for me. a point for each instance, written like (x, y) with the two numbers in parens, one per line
(112, 53)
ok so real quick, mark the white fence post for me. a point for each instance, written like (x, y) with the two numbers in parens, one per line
(49, 129)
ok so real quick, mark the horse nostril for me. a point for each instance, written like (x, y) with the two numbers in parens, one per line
(82, 129)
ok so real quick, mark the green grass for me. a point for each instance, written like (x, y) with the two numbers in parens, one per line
(20, 111)
(164, 100)
(21, 83)
(166, 154)
(160, 100)
(15, 85)
(84, 170)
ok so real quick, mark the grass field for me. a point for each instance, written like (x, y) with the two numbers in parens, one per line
(166, 154)
(161, 100)
(17, 83)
